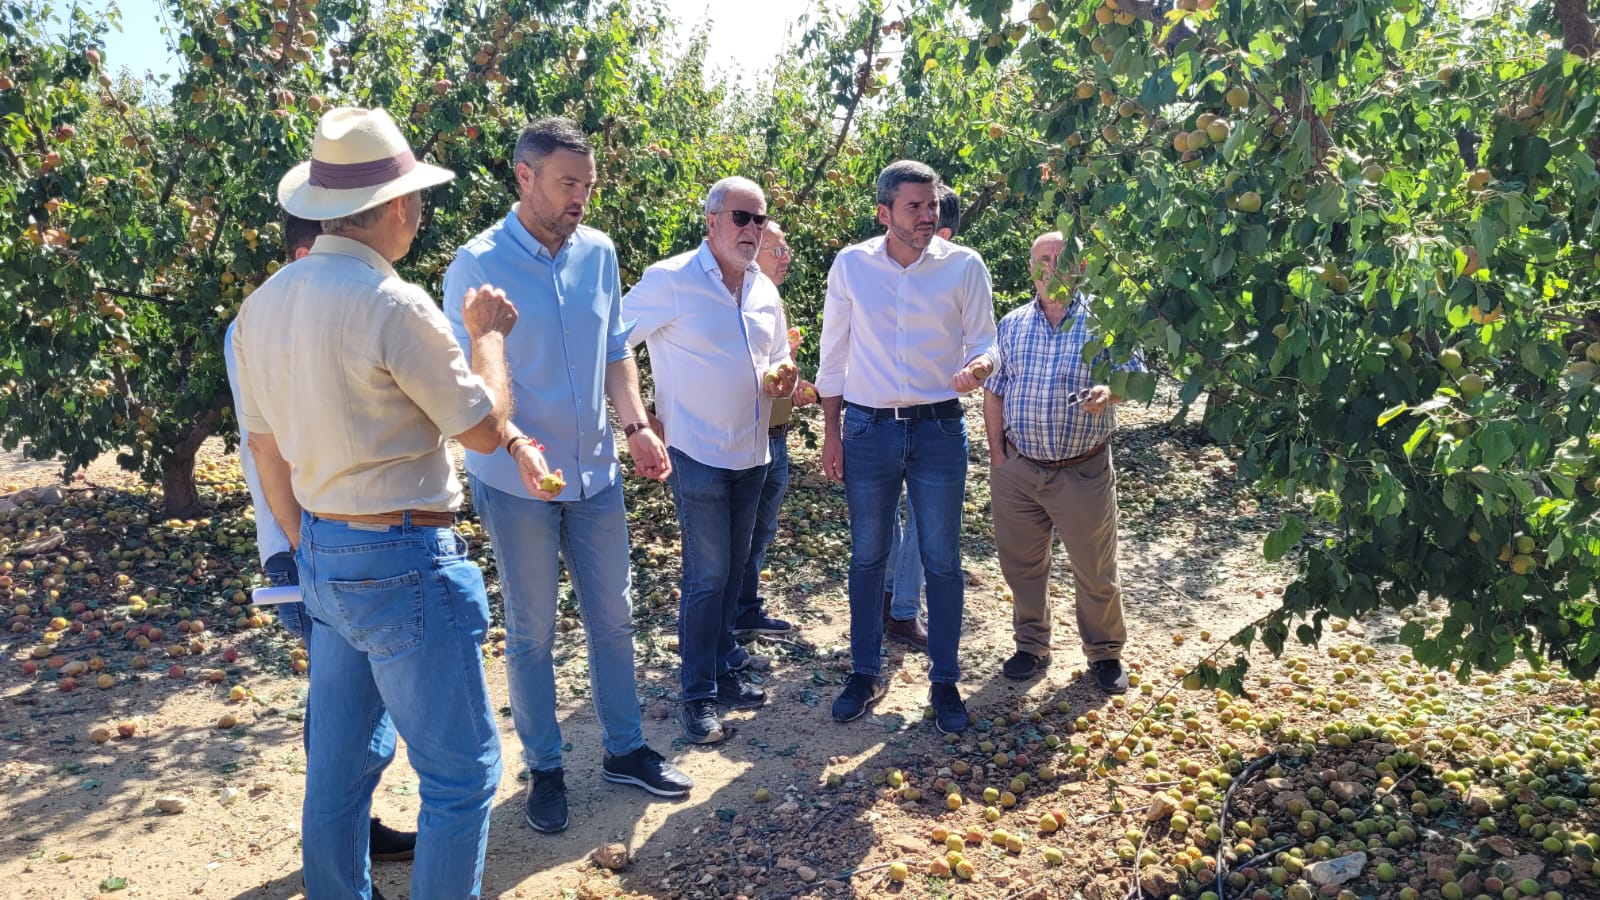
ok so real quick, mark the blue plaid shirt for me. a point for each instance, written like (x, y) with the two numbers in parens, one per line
(1040, 367)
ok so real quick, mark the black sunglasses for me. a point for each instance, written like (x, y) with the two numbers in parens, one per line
(741, 218)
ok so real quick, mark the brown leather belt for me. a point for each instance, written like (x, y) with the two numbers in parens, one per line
(778, 430)
(422, 518)
(1085, 456)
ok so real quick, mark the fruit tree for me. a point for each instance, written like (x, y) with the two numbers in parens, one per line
(1368, 226)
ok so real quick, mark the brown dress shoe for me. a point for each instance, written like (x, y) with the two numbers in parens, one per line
(911, 632)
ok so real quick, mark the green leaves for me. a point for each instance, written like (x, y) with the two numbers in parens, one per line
(1284, 537)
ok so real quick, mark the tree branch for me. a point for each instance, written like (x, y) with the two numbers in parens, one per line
(849, 115)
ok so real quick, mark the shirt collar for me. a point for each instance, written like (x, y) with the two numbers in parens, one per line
(1079, 303)
(938, 248)
(525, 239)
(708, 261)
(343, 246)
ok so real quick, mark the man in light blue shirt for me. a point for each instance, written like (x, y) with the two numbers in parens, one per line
(570, 354)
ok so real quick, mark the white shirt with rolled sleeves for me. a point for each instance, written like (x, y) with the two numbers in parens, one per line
(895, 335)
(709, 354)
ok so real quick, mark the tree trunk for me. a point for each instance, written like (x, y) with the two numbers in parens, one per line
(182, 496)
(178, 487)
(1577, 30)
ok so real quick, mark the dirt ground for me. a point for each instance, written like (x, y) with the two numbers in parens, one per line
(81, 817)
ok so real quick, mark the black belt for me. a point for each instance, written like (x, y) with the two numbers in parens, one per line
(944, 409)
(778, 430)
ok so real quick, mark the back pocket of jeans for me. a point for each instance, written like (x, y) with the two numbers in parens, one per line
(383, 615)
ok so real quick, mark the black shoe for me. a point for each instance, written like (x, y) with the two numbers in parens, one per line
(547, 801)
(647, 769)
(388, 845)
(760, 623)
(735, 693)
(949, 713)
(1024, 665)
(1109, 675)
(859, 693)
(700, 723)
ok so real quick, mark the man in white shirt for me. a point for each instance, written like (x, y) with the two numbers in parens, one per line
(907, 326)
(715, 331)
(903, 618)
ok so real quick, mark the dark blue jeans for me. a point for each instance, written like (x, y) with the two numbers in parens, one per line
(751, 603)
(717, 513)
(928, 457)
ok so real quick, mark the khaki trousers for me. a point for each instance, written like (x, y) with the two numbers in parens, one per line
(1080, 504)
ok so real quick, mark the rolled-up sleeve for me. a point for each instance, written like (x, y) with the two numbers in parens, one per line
(977, 315)
(999, 383)
(422, 355)
(837, 307)
(650, 306)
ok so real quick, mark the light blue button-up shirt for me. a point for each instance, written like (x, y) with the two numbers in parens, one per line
(569, 328)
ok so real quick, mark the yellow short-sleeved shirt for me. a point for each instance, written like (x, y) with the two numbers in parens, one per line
(356, 375)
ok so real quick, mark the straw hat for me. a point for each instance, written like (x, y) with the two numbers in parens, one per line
(359, 160)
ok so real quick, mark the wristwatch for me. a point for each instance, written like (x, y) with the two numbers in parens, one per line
(636, 426)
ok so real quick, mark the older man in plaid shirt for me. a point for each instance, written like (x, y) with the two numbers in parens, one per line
(1050, 429)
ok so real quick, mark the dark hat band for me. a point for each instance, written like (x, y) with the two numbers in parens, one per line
(354, 176)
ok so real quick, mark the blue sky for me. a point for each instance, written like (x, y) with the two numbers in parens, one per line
(742, 30)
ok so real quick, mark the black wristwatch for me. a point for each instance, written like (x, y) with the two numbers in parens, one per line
(628, 432)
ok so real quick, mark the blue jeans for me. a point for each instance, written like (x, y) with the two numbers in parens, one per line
(281, 572)
(928, 457)
(751, 603)
(591, 535)
(717, 513)
(401, 616)
(906, 557)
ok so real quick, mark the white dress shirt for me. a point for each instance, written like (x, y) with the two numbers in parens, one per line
(895, 335)
(270, 538)
(709, 354)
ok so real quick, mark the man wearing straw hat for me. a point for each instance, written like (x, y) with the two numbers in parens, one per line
(350, 381)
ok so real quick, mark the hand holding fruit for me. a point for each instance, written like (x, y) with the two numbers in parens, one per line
(486, 310)
(781, 380)
(972, 375)
(795, 337)
(536, 475)
(805, 394)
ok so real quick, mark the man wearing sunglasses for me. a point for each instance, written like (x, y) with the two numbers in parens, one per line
(1050, 426)
(907, 327)
(714, 328)
(752, 617)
